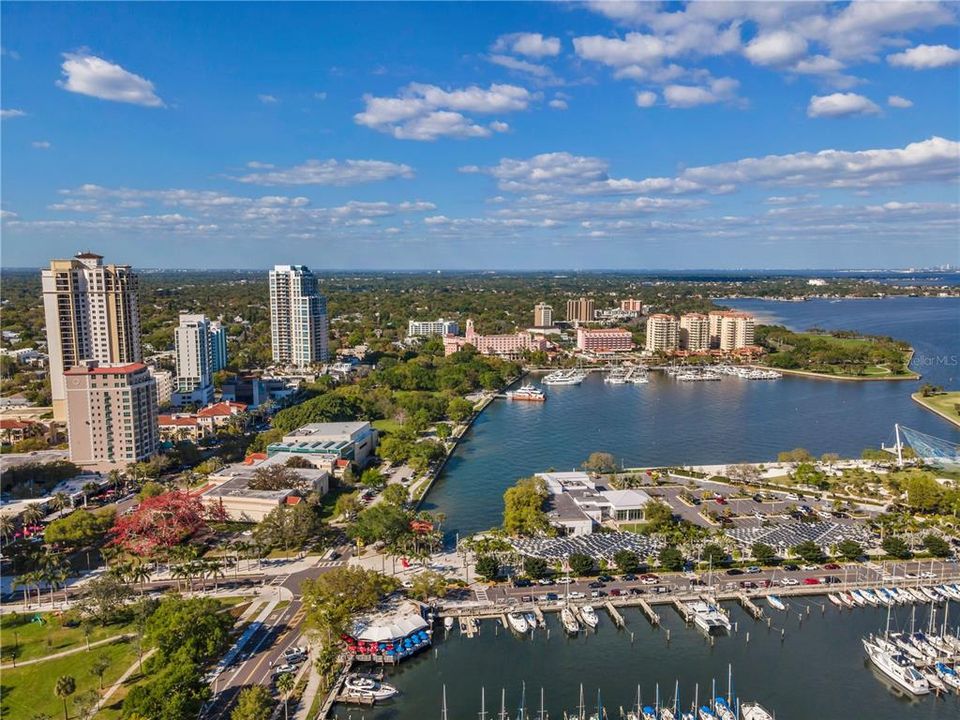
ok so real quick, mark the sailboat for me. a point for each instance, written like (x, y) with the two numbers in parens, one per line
(569, 621)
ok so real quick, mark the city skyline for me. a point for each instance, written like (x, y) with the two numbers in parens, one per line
(520, 136)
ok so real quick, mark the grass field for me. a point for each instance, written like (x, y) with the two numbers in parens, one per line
(36, 639)
(944, 403)
(386, 425)
(28, 690)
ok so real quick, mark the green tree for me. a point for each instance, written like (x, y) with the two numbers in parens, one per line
(580, 564)
(600, 462)
(807, 474)
(459, 409)
(713, 554)
(936, 545)
(347, 505)
(671, 559)
(395, 494)
(763, 553)
(65, 687)
(332, 599)
(488, 567)
(299, 462)
(534, 567)
(372, 477)
(849, 549)
(428, 584)
(809, 551)
(627, 561)
(285, 685)
(190, 627)
(253, 703)
(523, 513)
(277, 477)
(151, 488)
(78, 529)
(658, 516)
(896, 547)
(98, 667)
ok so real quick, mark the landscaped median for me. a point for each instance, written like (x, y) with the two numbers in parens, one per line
(945, 404)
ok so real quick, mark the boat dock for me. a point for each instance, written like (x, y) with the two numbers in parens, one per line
(538, 614)
(751, 607)
(470, 626)
(684, 611)
(615, 615)
(649, 612)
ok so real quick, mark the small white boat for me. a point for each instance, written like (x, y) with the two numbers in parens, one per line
(589, 616)
(847, 599)
(569, 621)
(723, 710)
(869, 596)
(835, 599)
(776, 602)
(531, 620)
(448, 623)
(948, 675)
(934, 680)
(858, 598)
(363, 686)
(518, 623)
(755, 711)
(918, 595)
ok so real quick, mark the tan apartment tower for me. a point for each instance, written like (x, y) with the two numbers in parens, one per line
(580, 310)
(298, 317)
(91, 312)
(111, 413)
(662, 333)
(542, 315)
(731, 330)
(694, 332)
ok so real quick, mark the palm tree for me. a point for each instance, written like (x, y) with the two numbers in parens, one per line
(99, 667)
(140, 573)
(59, 501)
(214, 569)
(285, 686)
(65, 687)
(180, 572)
(32, 514)
(89, 489)
(6, 527)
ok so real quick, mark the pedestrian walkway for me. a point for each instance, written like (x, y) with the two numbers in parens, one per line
(71, 651)
(101, 703)
(481, 592)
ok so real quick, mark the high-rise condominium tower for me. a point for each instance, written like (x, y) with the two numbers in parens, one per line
(92, 313)
(542, 315)
(298, 317)
(194, 361)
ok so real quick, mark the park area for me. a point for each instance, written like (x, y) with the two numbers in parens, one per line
(945, 404)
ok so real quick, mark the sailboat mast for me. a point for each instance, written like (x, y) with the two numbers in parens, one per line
(543, 712)
(483, 703)
(730, 684)
(443, 713)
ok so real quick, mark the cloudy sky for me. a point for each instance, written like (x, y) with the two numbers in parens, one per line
(444, 135)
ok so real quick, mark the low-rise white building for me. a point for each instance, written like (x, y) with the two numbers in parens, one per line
(576, 503)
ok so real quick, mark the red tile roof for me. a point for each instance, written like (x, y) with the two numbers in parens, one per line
(180, 421)
(11, 424)
(115, 370)
(253, 458)
(293, 499)
(226, 407)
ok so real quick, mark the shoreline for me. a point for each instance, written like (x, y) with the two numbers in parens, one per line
(919, 399)
(845, 378)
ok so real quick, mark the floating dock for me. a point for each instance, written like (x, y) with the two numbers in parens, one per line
(751, 607)
(615, 615)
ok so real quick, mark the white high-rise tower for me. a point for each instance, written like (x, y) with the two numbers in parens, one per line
(298, 317)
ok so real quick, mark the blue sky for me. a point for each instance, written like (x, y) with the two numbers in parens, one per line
(486, 135)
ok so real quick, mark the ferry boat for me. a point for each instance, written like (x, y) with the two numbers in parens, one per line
(709, 618)
(565, 377)
(896, 668)
(530, 393)
(367, 687)
(518, 623)
(569, 621)
(589, 616)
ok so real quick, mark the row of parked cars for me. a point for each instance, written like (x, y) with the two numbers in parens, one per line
(290, 660)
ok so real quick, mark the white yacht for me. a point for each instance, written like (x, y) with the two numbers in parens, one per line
(518, 623)
(709, 618)
(569, 621)
(896, 668)
(776, 602)
(616, 376)
(589, 616)
(565, 377)
(755, 711)
(364, 686)
(529, 393)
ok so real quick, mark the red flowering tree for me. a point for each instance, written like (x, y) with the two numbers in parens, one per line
(160, 522)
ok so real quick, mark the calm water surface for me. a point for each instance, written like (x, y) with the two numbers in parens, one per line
(668, 422)
(818, 672)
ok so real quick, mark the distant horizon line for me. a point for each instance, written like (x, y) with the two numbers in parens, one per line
(950, 268)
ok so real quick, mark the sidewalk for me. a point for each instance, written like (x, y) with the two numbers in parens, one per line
(71, 651)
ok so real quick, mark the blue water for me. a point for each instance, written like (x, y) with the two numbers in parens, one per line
(666, 422)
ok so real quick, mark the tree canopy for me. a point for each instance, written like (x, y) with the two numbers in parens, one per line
(523, 513)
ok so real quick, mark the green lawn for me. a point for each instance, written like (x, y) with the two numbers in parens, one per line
(37, 640)
(28, 690)
(386, 425)
(945, 403)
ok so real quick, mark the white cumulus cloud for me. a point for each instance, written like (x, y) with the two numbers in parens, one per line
(646, 98)
(925, 57)
(533, 45)
(776, 48)
(90, 75)
(899, 102)
(10, 113)
(41, 144)
(841, 105)
(326, 172)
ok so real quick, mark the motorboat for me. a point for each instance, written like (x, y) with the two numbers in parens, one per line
(835, 599)
(723, 709)
(936, 684)
(365, 686)
(448, 623)
(775, 602)
(565, 377)
(528, 393)
(589, 616)
(569, 621)
(531, 620)
(896, 668)
(847, 599)
(518, 623)
(948, 675)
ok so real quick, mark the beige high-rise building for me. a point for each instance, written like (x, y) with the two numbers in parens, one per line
(694, 332)
(91, 312)
(580, 310)
(731, 329)
(298, 317)
(111, 413)
(542, 315)
(663, 333)
(632, 305)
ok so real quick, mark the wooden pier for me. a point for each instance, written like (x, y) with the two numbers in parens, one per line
(538, 614)
(649, 612)
(469, 626)
(684, 611)
(751, 607)
(615, 615)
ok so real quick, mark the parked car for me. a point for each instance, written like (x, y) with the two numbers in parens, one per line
(734, 571)
(831, 566)
(649, 579)
(596, 584)
(629, 577)
(748, 584)
(606, 578)
(812, 581)
(787, 582)
(284, 668)
(545, 581)
(522, 583)
(598, 593)
(616, 592)
(790, 567)
(753, 569)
